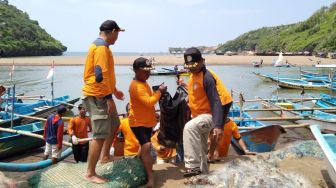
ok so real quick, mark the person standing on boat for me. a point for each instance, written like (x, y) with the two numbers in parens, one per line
(209, 102)
(222, 149)
(53, 135)
(142, 117)
(99, 86)
(78, 129)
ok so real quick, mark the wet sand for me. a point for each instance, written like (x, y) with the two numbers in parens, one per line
(170, 175)
(167, 60)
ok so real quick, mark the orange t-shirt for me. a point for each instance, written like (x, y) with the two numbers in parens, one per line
(142, 102)
(230, 129)
(79, 126)
(131, 145)
(99, 55)
(162, 154)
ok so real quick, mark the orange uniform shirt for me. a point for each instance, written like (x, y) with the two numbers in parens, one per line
(198, 100)
(79, 126)
(99, 56)
(162, 154)
(131, 144)
(142, 102)
(230, 129)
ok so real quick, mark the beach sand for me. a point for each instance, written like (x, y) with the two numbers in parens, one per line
(170, 175)
(167, 60)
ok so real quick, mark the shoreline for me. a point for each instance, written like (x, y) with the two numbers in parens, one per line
(164, 60)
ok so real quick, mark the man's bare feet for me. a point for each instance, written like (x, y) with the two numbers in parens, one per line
(96, 179)
(150, 184)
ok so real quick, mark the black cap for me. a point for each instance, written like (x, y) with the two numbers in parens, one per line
(142, 63)
(61, 110)
(191, 57)
(110, 25)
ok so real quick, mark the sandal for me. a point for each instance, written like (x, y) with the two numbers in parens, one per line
(192, 172)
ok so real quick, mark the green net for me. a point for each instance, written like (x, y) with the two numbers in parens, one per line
(126, 172)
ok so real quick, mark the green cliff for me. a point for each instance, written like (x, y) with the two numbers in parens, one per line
(316, 34)
(21, 36)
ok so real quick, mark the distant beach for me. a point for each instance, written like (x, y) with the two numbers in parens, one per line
(164, 59)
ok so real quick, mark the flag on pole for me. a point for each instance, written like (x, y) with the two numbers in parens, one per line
(279, 60)
(51, 71)
(11, 72)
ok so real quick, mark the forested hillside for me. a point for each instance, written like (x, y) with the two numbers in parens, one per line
(21, 36)
(316, 34)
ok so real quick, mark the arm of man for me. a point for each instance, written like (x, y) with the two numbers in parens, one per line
(145, 98)
(89, 125)
(45, 130)
(71, 127)
(60, 135)
(215, 102)
(241, 142)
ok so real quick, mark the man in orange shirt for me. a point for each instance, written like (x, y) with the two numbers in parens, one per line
(223, 145)
(142, 117)
(99, 86)
(78, 129)
(131, 145)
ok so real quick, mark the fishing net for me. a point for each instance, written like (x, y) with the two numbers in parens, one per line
(261, 170)
(126, 172)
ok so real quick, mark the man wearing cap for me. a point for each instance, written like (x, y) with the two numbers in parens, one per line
(142, 117)
(209, 103)
(99, 86)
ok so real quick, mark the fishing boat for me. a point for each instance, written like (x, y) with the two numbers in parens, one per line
(166, 71)
(261, 139)
(40, 108)
(301, 84)
(269, 77)
(326, 101)
(278, 62)
(11, 143)
(256, 64)
(309, 73)
(327, 143)
(290, 109)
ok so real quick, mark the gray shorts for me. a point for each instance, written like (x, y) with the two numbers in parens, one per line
(103, 123)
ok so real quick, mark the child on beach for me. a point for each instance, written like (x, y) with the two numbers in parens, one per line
(142, 112)
(53, 135)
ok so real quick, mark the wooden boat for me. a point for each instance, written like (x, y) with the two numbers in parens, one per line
(326, 120)
(309, 73)
(300, 84)
(11, 143)
(328, 144)
(256, 64)
(25, 167)
(40, 108)
(269, 77)
(261, 139)
(326, 101)
(166, 72)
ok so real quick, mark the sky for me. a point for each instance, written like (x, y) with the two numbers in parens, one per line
(156, 25)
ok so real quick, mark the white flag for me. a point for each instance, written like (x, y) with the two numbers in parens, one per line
(279, 60)
(51, 71)
(11, 72)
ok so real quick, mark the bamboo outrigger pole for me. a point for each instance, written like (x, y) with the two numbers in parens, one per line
(298, 99)
(285, 109)
(27, 133)
(283, 126)
(270, 119)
